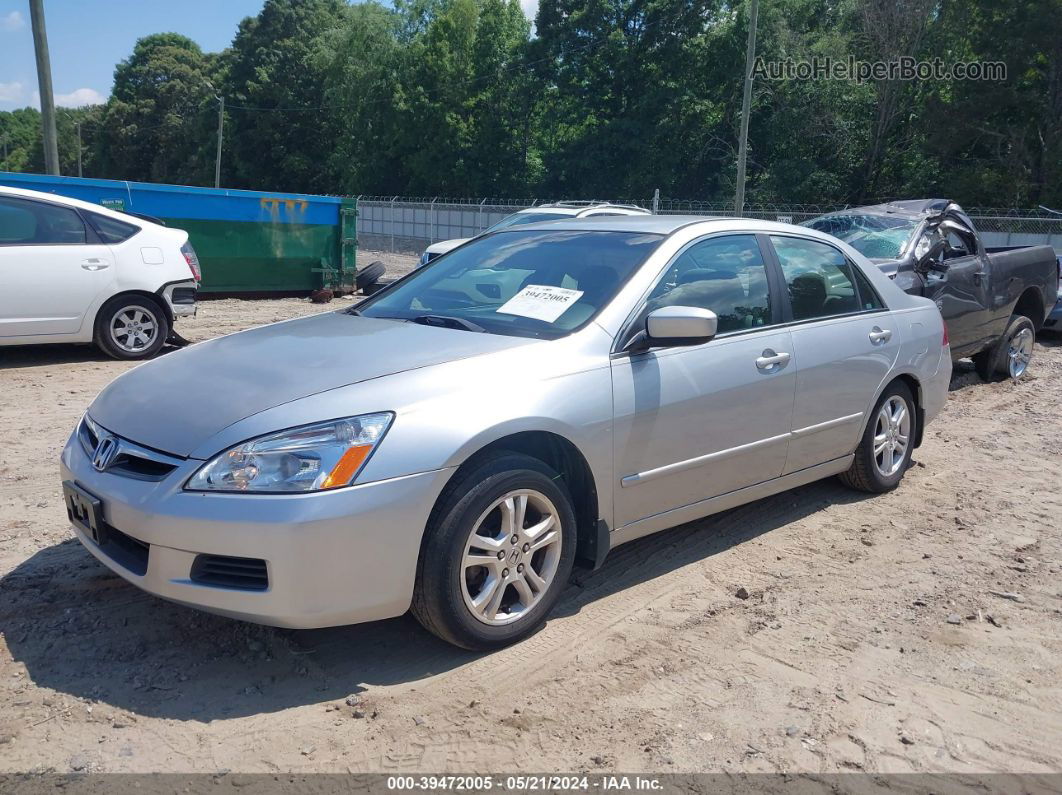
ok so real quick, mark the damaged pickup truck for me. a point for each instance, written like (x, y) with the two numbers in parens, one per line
(993, 300)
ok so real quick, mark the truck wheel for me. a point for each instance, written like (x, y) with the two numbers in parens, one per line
(498, 551)
(884, 452)
(1011, 353)
(131, 327)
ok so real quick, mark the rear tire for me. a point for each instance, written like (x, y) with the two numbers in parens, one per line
(884, 452)
(131, 327)
(1011, 353)
(477, 587)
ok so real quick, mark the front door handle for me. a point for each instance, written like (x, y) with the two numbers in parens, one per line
(770, 361)
(879, 336)
(95, 264)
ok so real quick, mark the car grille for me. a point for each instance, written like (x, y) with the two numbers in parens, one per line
(132, 460)
(245, 574)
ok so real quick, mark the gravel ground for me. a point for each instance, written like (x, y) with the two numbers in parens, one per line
(915, 631)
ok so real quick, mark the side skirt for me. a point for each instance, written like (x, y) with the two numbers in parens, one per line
(725, 502)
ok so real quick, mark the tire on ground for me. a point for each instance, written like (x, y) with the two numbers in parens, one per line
(991, 363)
(369, 275)
(105, 338)
(438, 601)
(864, 474)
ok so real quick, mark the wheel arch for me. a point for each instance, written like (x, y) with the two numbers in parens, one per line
(563, 456)
(154, 297)
(1031, 304)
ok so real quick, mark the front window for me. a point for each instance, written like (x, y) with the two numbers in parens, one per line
(873, 236)
(519, 219)
(531, 284)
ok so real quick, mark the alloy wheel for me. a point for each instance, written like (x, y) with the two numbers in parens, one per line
(133, 328)
(892, 434)
(1019, 353)
(511, 557)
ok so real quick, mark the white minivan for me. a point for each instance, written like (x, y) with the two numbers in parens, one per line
(71, 271)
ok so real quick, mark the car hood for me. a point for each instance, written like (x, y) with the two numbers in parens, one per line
(180, 400)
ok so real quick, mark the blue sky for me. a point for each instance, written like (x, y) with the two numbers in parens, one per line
(87, 38)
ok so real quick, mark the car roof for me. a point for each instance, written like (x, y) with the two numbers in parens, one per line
(908, 208)
(576, 208)
(663, 225)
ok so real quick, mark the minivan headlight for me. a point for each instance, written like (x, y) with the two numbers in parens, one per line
(325, 455)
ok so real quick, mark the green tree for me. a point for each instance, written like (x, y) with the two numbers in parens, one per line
(154, 126)
(277, 136)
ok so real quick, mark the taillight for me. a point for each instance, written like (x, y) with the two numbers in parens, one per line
(192, 260)
(945, 341)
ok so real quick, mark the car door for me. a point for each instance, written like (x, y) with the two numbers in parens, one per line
(961, 292)
(845, 341)
(695, 422)
(52, 268)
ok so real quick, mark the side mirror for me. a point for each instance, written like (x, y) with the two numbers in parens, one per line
(673, 326)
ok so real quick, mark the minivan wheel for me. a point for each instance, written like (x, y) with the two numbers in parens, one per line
(498, 552)
(884, 452)
(1011, 354)
(131, 327)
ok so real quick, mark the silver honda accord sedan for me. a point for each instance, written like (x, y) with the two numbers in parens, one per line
(457, 442)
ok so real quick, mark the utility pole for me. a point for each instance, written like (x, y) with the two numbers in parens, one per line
(221, 128)
(44, 81)
(79, 149)
(746, 102)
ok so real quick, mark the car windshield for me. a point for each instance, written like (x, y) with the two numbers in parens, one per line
(521, 283)
(873, 236)
(519, 219)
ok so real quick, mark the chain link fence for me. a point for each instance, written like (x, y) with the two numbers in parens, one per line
(408, 225)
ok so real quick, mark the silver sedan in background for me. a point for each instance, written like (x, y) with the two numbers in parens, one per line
(457, 442)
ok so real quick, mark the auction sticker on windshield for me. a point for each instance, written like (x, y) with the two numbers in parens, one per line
(540, 302)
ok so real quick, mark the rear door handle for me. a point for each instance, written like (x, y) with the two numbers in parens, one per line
(879, 336)
(770, 360)
(94, 264)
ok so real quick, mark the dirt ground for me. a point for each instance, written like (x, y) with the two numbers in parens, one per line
(915, 631)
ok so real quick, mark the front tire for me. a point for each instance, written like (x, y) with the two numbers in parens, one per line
(884, 452)
(131, 327)
(497, 554)
(1011, 353)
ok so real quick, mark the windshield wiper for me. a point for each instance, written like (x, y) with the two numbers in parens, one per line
(446, 321)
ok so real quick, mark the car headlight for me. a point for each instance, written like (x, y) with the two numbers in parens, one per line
(325, 455)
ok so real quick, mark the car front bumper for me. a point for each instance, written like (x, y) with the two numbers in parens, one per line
(330, 558)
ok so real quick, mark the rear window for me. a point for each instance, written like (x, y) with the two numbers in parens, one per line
(111, 230)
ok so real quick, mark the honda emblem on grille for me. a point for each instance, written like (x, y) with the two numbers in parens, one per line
(106, 450)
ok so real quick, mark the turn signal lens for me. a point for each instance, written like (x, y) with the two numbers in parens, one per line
(347, 467)
(945, 341)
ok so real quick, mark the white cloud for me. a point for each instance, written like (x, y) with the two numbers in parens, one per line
(11, 93)
(530, 8)
(11, 22)
(79, 97)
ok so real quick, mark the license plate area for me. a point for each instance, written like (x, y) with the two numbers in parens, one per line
(85, 511)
